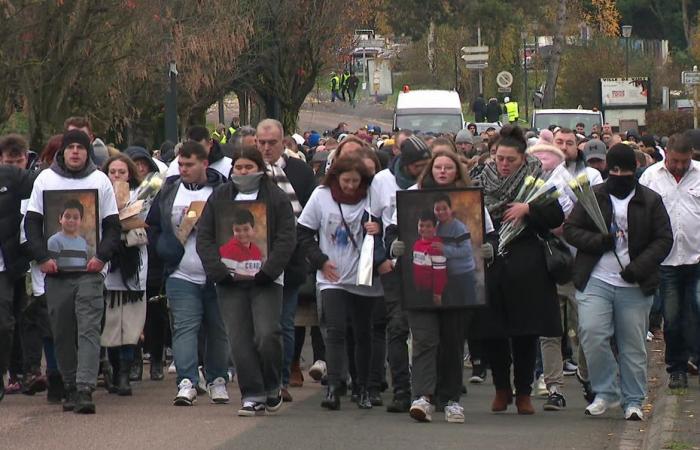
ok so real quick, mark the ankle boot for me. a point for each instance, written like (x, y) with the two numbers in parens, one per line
(524, 404)
(504, 397)
(108, 376)
(136, 372)
(156, 370)
(123, 382)
(296, 378)
(331, 400)
(363, 402)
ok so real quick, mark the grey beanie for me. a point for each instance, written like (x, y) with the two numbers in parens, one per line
(464, 136)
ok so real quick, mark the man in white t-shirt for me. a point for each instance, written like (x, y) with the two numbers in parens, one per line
(215, 155)
(74, 299)
(191, 295)
(616, 274)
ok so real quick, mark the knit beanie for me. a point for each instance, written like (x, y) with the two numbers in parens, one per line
(621, 157)
(413, 149)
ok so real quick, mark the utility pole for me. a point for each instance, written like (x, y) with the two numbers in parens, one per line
(171, 104)
(525, 93)
(481, 71)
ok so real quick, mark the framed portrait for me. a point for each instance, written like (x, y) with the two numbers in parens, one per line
(71, 227)
(443, 230)
(243, 238)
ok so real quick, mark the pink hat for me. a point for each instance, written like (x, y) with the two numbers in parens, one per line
(546, 137)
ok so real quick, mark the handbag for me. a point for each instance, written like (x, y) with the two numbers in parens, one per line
(558, 258)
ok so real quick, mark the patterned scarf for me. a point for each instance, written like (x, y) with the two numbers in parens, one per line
(281, 180)
(500, 191)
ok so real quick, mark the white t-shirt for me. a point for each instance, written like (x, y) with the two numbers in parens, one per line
(190, 268)
(322, 213)
(48, 180)
(223, 166)
(608, 268)
(162, 167)
(382, 194)
(113, 280)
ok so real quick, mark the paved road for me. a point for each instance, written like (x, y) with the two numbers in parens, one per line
(148, 420)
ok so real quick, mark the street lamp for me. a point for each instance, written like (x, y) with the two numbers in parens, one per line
(626, 33)
(523, 36)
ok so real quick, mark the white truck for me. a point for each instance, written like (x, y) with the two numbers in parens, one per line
(566, 118)
(429, 111)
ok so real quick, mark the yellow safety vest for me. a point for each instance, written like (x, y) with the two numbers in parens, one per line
(512, 110)
(336, 84)
(216, 135)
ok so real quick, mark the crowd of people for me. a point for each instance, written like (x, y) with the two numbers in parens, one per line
(171, 284)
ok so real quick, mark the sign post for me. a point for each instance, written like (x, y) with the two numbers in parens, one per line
(477, 58)
(692, 78)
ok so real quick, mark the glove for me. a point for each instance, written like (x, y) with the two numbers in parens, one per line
(628, 276)
(487, 251)
(608, 242)
(262, 279)
(398, 248)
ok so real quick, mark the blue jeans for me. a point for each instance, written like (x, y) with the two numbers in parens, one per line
(605, 312)
(290, 297)
(192, 306)
(679, 292)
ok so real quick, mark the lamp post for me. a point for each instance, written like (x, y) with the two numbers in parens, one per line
(626, 33)
(523, 35)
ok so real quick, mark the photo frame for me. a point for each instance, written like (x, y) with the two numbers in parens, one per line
(438, 250)
(72, 227)
(243, 246)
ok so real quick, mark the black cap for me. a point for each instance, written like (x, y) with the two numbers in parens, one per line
(413, 149)
(621, 157)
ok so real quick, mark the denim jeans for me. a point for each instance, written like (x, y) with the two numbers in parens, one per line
(679, 293)
(193, 306)
(290, 297)
(252, 317)
(605, 312)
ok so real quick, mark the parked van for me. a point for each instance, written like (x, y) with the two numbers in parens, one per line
(566, 118)
(429, 111)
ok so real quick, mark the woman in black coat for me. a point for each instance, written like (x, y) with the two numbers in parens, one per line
(523, 301)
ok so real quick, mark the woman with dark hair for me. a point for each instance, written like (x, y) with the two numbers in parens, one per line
(251, 305)
(336, 213)
(125, 285)
(523, 302)
(472, 129)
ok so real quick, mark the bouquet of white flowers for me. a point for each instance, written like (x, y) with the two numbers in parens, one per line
(134, 213)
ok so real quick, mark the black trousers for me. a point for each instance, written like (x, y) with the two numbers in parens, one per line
(35, 328)
(397, 334)
(317, 344)
(521, 352)
(157, 327)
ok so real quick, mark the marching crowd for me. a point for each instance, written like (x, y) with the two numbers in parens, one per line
(180, 278)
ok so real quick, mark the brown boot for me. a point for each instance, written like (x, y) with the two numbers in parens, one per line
(504, 397)
(524, 405)
(296, 378)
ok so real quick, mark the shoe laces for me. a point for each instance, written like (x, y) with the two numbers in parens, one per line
(454, 408)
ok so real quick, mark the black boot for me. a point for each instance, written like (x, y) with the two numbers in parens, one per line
(69, 402)
(331, 400)
(363, 402)
(156, 370)
(137, 366)
(83, 401)
(108, 373)
(55, 391)
(400, 404)
(123, 383)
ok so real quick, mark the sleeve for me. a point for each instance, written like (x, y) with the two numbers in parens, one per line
(153, 221)
(111, 227)
(34, 229)
(594, 176)
(307, 232)
(285, 239)
(207, 248)
(380, 253)
(439, 266)
(53, 245)
(459, 248)
(36, 198)
(581, 232)
(659, 246)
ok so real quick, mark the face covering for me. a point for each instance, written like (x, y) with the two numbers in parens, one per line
(621, 185)
(247, 184)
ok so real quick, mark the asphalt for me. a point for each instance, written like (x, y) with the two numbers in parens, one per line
(148, 419)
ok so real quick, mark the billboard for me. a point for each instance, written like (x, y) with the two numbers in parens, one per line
(616, 92)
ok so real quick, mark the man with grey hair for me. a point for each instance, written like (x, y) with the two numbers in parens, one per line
(297, 180)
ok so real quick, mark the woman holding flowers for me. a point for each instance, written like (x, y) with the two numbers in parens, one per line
(523, 301)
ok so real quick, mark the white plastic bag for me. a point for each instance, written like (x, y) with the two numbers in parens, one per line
(365, 267)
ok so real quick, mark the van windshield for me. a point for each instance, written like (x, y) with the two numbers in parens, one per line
(566, 120)
(435, 123)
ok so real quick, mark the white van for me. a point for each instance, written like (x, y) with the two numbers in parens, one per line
(427, 111)
(566, 118)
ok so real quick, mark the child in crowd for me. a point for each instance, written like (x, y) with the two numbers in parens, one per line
(67, 246)
(240, 254)
(429, 263)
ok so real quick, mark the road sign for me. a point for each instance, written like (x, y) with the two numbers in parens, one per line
(504, 89)
(477, 66)
(504, 79)
(690, 77)
(478, 49)
(475, 55)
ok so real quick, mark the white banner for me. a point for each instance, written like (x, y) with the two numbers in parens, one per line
(624, 91)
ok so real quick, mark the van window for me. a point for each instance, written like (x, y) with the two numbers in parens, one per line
(566, 120)
(435, 123)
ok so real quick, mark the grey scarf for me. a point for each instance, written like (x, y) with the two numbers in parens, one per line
(500, 191)
(247, 184)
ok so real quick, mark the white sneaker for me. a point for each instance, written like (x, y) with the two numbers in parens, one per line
(454, 413)
(318, 370)
(650, 336)
(422, 410)
(599, 406)
(252, 409)
(634, 413)
(186, 394)
(541, 387)
(172, 368)
(217, 391)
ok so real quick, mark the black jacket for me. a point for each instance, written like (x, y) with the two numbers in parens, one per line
(493, 112)
(649, 235)
(15, 186)
(280, 229)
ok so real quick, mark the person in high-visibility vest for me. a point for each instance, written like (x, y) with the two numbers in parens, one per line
(335, 87)
(219, 133)
(344, 84)
(511, 109)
